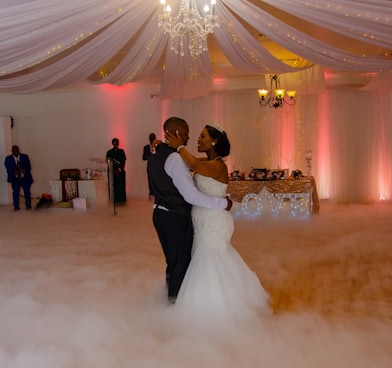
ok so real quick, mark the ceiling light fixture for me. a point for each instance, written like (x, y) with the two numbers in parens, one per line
(188, 24)
(266, 97)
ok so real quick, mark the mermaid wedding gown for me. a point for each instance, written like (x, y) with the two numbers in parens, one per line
(218, 288)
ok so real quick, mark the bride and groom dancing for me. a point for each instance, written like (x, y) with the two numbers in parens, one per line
(205, 275)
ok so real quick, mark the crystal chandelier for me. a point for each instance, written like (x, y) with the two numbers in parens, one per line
(266, 97)
(189, 26)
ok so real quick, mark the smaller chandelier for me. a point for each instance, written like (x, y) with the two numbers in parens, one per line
(189, 24)
(266, 98)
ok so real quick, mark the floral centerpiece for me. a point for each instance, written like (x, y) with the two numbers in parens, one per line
(266, 174)
(236, 175)
(296, 174)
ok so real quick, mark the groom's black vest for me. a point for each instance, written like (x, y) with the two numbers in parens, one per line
(165, 192)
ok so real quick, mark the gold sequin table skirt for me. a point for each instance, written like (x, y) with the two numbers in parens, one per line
(238, 189)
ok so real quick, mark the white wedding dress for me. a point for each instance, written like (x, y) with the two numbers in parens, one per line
(218, 288)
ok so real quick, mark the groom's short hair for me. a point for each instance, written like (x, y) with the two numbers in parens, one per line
(174, 123)
(177, 126)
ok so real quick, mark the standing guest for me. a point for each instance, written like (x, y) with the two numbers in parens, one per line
(174, 195)
(148, 149)
(19, 175)
(117, 158)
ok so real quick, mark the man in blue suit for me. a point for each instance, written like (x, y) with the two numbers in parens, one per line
(19, 175)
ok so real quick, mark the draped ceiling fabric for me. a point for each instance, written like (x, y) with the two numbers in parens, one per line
(50, 44)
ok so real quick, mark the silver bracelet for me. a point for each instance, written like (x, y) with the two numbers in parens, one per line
(179, 147)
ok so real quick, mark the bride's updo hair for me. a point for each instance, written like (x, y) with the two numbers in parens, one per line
(222, 146)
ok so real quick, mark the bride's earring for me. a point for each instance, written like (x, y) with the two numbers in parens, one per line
(213, 143)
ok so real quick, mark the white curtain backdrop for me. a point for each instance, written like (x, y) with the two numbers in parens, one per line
(348, 131)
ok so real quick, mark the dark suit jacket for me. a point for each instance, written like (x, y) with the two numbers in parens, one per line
(24, 163)
(146, 152)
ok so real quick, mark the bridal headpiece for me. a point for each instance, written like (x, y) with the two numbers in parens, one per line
(216, 126)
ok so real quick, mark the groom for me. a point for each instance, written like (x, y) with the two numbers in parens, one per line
(175, 193)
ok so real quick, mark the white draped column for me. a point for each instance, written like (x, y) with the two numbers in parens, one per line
(5, 150)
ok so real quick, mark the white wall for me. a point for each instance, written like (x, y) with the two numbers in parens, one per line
(63, 129)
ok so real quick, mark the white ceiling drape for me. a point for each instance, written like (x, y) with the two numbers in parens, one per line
(356, 19)
(308, 45)
(47, 44)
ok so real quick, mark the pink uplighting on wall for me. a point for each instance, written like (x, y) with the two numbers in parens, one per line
(383, 167)
(323, 153)
(118, 101)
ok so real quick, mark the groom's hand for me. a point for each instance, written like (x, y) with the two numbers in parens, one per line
(229, 204)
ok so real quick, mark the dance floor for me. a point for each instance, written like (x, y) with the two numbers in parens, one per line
(85, 289)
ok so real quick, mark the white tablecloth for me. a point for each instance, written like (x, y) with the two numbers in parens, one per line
(94, 191)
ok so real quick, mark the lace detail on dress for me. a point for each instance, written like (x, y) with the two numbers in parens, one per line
(210, 186)
(213, 227)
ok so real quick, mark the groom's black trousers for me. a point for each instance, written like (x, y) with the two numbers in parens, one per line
(175, 232)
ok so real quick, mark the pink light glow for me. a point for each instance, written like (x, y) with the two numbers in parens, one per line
(323, 155)
(118, 102)
(117, 99)
(383, 167)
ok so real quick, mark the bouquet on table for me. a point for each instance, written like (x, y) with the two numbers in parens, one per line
(266, 174)
(296, 174)
(236, 175)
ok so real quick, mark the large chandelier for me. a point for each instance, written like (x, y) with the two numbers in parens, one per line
(189, 26)
(276, 97)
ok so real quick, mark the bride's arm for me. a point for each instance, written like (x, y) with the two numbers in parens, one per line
(191, 161)
(177, 143)
(213, 169)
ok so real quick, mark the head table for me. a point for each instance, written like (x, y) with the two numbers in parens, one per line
(277, 191)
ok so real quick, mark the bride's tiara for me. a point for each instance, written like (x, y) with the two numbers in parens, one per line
(216, 126)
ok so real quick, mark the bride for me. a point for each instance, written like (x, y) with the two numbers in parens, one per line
(218, 286)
